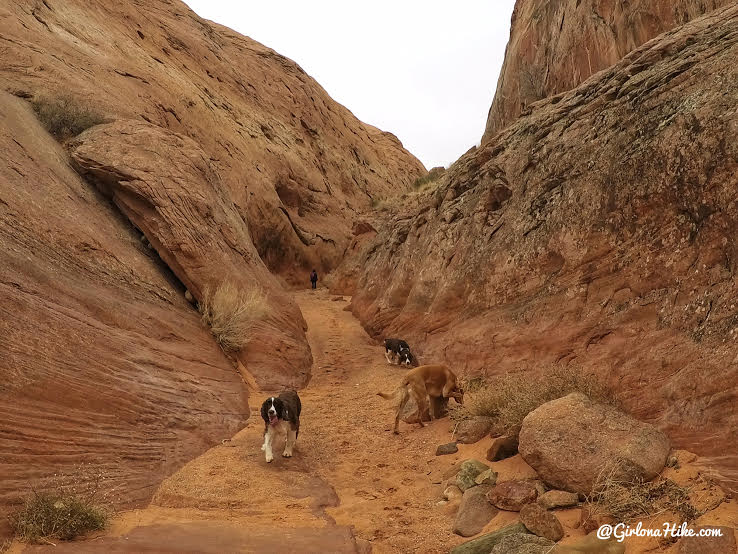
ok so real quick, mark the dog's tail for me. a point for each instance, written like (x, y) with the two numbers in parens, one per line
(397, 396)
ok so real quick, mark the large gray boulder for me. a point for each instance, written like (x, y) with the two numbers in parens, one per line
(570, 440)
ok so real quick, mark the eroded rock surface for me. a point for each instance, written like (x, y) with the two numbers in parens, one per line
(104, 362)
(555, 46)
(598, 230)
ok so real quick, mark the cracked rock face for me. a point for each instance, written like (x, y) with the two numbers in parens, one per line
(555, 46)
(614, 250)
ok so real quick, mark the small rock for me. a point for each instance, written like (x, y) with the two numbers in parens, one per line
(487, 477)
(523, 543)
(189, 297)
(558, 499)
(452, 492)
(485, 543)
(474, 513)
(470, 431)
(502, 448)
(468, 473)
(592, 517)
(448, 448)
(708, 545)
(541, 522)
(513, 495)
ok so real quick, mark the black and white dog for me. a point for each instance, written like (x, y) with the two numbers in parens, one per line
(398, 351)
(281, 414)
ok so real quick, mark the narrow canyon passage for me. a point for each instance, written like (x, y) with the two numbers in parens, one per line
(351, 482)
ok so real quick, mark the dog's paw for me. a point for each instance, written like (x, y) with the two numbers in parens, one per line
(287, 454)
(269, 458)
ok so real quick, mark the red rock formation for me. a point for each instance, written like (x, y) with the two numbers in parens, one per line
(102, 361)
(165, 184)
(598, 230)
(555, 46)
(297, 164)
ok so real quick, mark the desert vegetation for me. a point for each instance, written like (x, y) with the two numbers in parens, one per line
(76, 503)
(631, 499)
(64, 116)
(509, 398)
(230, 311)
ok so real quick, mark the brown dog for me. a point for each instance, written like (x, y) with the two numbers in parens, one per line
(425, 383)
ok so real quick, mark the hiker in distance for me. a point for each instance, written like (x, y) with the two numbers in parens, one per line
(314, 279)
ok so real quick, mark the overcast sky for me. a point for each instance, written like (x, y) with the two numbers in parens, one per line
(426, 70)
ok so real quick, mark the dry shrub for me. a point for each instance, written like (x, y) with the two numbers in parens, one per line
(230, 312)
(77, 503)
(64, 116)
(629, 499)
(509, 398)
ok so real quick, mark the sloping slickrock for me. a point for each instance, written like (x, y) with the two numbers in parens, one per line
(166, 186)
(598, 230)
(104, 363)
(298, 164)
(555, 46)
(571, 440)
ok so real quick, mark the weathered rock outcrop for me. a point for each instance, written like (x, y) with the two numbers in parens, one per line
(555, 46)
(166, 186)
(103, 361)
(297, 164)
(599, 230)
(571, 440)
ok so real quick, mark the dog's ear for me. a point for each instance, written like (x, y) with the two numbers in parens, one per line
(264, 415)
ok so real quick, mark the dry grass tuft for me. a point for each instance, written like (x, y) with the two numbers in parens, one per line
(509, 398)
(77, 503)
(628, 499)
(64, 116)
(230, 313)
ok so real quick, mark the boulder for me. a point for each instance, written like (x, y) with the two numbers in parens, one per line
(502, 447)
(474, 513)
(709, 545)
(541, 522)
(522, 543)
(485, 543)
(570, 440)
(465, 478)
(448, 448)
(558, 499)
(513, 495)
(472, 430)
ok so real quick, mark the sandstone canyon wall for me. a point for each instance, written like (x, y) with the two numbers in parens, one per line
(599, 230)
(297, 164)
(556, 45)
(229, 160)
(103, 361)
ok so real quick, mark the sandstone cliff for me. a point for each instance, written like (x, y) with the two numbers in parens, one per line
(229, 160)
(103, 361)
(296, 163)
(599, 230)
(555, 46)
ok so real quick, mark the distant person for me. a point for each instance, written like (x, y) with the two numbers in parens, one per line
(314, 279)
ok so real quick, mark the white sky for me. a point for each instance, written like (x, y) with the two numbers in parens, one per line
(426, 70)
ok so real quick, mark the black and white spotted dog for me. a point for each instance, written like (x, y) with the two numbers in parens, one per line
(281, 414)
(398, 351)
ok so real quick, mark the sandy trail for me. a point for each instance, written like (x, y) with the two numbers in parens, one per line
(350, 484)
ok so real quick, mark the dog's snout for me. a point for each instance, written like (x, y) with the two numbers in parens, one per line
(272, 411)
